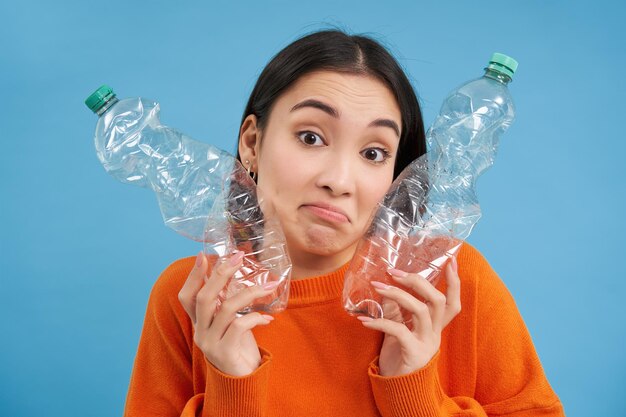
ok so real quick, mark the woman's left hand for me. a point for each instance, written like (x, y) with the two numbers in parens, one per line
(405, 350)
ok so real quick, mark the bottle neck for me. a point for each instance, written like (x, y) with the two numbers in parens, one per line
(497, 75)
(107, 106)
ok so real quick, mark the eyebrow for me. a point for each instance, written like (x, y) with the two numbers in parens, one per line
(333, 112)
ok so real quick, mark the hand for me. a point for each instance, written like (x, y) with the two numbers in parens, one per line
(405, 350)
(226, 340)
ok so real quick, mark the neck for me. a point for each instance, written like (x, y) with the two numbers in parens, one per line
(305, 265)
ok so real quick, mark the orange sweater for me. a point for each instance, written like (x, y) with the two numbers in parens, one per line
(319, 361)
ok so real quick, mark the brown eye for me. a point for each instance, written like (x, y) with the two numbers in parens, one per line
(375, 154)
(310, 138)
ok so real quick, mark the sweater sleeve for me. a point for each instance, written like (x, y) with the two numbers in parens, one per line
(164, 381)
(510, 380)
(245, 396)
(509, 377)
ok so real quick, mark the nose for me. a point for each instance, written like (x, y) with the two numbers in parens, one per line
(337, 176)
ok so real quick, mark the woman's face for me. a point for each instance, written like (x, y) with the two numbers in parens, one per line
(325, 158)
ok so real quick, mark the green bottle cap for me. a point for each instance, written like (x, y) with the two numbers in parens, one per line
(503, 63)
(99, 98)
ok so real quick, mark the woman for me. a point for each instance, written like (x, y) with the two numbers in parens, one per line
(330, 123)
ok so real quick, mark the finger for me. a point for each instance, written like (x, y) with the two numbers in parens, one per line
(230, 307)
(390, 327)
(391, 310)
(434, 299)
(421, 314)
(206, 299)
(242, 324)
(193, 283)
(453, 292)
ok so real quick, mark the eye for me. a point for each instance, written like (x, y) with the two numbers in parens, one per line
(378, 155)
(310, 138)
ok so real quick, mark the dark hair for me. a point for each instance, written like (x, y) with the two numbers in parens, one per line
(337, 51)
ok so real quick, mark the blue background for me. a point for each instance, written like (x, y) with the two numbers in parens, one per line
(80, 251)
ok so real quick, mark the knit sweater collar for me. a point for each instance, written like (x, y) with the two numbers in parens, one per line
(319, 289)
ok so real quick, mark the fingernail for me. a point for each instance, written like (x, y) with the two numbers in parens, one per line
(365, 318)
(271, 285)
(397, 272)
(380, 285)
(199, 259)
(455, 265)
(236, 258)
(267, 317)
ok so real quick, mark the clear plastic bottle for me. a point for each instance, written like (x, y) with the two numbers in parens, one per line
(204, 193)
(432, 206)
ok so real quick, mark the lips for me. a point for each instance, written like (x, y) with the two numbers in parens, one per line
(328, 212)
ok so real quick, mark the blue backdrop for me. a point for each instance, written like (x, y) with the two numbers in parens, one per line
(80, 251)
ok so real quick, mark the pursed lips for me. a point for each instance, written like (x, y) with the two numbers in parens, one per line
(328, 211)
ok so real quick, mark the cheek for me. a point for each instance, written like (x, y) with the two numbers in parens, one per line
(280, 177)
(373, 193)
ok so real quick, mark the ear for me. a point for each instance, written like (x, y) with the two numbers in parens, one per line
(249, 142)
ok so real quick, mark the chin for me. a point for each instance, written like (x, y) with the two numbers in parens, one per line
(322, 242)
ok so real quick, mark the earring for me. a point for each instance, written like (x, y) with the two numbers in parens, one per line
(253, 175)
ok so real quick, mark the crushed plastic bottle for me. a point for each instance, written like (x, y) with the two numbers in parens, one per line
(432, 206)
(204, 193)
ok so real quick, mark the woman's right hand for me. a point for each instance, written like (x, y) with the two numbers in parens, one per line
(226, 340)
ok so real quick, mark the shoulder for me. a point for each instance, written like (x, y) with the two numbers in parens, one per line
(166, 321)
(173, 277)
(471, 261)
(474, 267)
(481, 281)
(164, 293)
